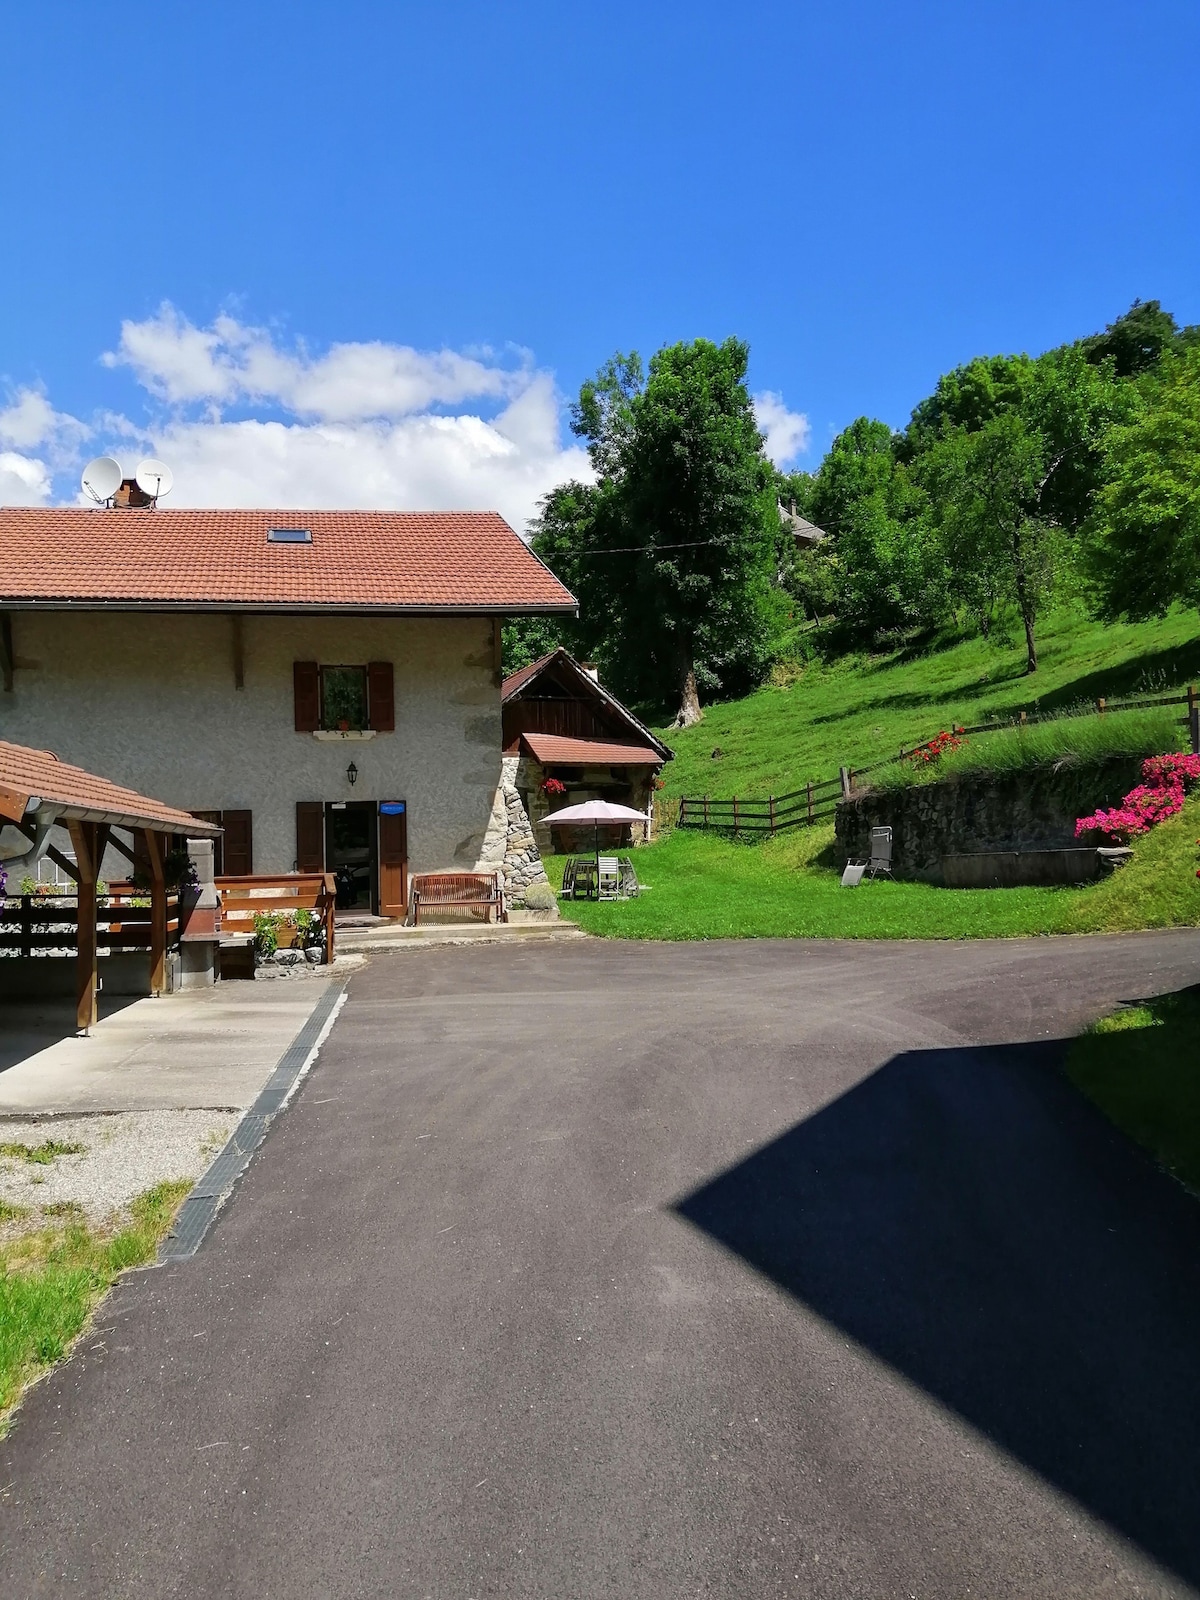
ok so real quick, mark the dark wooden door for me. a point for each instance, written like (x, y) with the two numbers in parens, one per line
(310, 836)
(238, 844)
(393, 861)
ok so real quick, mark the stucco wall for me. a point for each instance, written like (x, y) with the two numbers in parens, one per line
(149, 701)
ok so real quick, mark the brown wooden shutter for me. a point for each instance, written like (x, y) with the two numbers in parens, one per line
(306, 677)
(238, 844)
(381, 699)
(310, 836)
(393, 864)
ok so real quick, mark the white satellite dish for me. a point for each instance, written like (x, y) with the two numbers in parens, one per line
(154, 478)
(102, 478)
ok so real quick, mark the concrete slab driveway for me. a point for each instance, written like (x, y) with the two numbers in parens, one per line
(659, 1271)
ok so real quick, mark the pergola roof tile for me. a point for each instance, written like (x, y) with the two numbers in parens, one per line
(26, 773)
(555, 749)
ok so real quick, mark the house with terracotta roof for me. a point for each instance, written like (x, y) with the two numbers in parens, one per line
(567, 739)
(325, 686)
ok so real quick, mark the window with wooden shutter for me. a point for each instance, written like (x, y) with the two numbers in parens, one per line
(238, 843)
(310, 836)
(381, 699)
(306, 678)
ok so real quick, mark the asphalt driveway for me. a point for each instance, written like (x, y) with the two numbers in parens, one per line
(757, 1269)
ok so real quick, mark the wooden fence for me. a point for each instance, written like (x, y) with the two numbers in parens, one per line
(37, 923)
(244, 898)
(818, 801)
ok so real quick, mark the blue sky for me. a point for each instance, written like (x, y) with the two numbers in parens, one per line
(391, 238)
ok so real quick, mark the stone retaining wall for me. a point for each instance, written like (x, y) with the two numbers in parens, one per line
(1034, 809)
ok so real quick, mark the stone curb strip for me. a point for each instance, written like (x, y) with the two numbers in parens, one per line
(199, 1210)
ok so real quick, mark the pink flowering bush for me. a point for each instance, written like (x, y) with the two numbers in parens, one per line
(1161, 795)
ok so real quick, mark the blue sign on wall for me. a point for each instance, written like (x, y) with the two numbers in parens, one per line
(391, 808)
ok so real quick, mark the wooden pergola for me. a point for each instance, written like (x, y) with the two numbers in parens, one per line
(39, 792)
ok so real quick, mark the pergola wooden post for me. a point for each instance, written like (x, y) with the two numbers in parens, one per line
(158, 913)
(88, 840)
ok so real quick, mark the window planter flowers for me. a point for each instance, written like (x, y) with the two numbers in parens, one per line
(1160, 795)
(553, 787)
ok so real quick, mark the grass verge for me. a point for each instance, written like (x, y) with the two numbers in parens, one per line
(1142, 1068)
(51, 1279)
(703, 886)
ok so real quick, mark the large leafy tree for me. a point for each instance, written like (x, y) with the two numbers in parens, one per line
(1146, 552)
(673, 550)
(885, 572)
(1137, 342)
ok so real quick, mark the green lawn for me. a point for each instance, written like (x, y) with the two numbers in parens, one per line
(1142, 1068)
(860, 709)
(703, 886)
(52, 1276)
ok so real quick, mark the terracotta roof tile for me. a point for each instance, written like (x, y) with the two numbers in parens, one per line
(554, 748)
(26, 772)
(393, 560)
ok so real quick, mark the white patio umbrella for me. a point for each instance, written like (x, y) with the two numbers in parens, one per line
(595, 812)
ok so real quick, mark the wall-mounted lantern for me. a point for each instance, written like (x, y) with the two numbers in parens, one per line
(352, 774)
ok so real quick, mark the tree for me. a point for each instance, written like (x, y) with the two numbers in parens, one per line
(672, 552)
(1146, 549)
(1137, 341)
(986, 490)
(885, 571)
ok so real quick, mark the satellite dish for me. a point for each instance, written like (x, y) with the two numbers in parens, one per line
(102, 478)
(154, 477)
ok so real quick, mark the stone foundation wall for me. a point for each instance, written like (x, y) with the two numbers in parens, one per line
(1028, 810)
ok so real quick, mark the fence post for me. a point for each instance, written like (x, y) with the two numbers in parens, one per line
(706, 811)
(682, 811)
(1101, 706)
(844, 775)
(735, 814)
(1024, 720)
(810, 804)
(772, 803)
(1194, 719)
(26, 925)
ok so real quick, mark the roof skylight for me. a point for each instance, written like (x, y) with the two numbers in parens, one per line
(289, 535)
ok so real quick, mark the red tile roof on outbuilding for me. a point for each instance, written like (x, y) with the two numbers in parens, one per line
(26, 773)
(553, 749)
(463, 561)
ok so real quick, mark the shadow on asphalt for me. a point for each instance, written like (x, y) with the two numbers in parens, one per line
(970, 1220)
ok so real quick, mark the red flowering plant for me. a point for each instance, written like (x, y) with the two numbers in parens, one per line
(1159, 796)
(553, 786)
(934, 749)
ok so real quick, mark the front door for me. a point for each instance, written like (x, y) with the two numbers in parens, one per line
(393, 859)
(351, 853)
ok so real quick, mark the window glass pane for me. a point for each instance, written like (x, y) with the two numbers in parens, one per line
(344, 697)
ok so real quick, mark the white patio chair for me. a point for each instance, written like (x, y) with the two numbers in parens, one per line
(610, 878)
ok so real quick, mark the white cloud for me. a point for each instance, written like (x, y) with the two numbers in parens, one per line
(24, 480)
(245, 420)
(231, 362)
(421, 463)
(787, 431)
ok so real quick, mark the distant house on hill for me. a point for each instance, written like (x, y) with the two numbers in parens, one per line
(566, 739)
(806, 534)
(324, 686)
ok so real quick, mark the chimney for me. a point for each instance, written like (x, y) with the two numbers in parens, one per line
(592, 670)
(130, 494)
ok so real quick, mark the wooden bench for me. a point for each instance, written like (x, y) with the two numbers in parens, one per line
(476, 893)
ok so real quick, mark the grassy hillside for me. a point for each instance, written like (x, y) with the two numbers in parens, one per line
(703, 886)
(860, 709)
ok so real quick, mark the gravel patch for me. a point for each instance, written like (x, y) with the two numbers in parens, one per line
(124, 1154)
